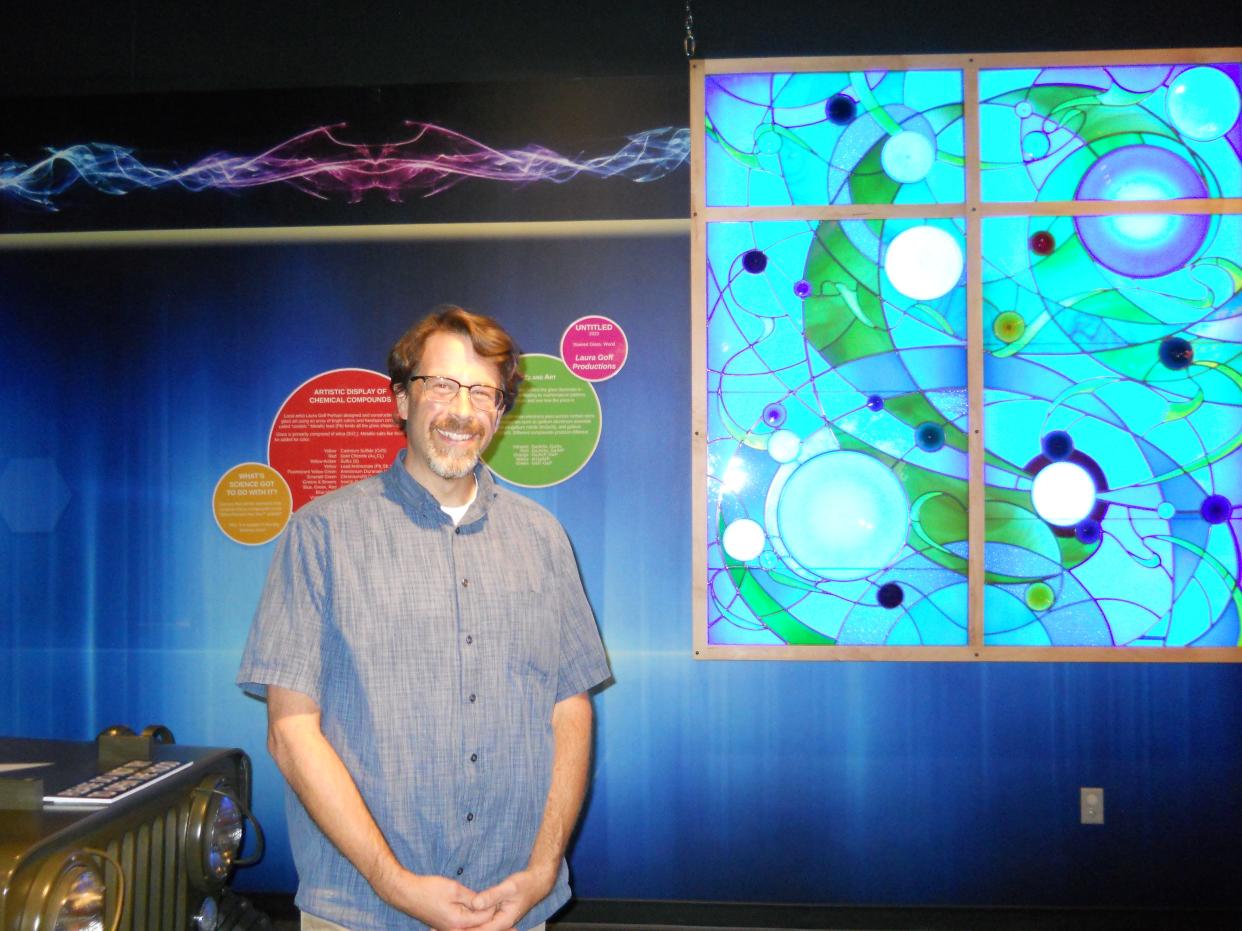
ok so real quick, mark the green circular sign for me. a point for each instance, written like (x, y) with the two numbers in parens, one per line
(553, 429)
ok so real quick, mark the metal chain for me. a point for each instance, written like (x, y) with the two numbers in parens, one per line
(688, 42)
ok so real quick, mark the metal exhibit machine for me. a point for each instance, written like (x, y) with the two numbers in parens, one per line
(130, 832)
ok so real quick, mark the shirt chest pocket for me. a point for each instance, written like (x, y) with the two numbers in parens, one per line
(523, 614)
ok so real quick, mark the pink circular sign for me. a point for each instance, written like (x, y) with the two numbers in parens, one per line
(594, 348)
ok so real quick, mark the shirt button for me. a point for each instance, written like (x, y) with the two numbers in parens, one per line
(474, 758)
(460, 870)
(470, 816)
(457, 530)
(469, 639)
(472, 697)
(465, 583)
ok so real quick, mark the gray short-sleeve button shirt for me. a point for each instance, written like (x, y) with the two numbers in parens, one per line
(436, 694)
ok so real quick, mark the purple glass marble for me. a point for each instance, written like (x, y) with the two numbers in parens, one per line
(1057, 445)
(1176, 353)
(1089, 531)
(1216, 509)
(841, 109)
(890, 595)
(774, 414)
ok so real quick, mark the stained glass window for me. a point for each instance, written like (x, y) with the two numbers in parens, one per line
(867, 137)
(1112, 418)
(836, 420)
(1127, 132)
(969, 350)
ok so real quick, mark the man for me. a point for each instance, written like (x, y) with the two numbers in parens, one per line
(425, 649)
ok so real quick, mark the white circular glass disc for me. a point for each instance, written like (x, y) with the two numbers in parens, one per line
(924, 262)
(743, 540)
(1063, 493)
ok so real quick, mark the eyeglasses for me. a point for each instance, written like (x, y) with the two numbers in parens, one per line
(442, 388)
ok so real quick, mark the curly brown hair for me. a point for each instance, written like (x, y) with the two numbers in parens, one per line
(487, 337)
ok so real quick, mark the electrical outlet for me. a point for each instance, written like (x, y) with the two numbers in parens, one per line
(1091, 806)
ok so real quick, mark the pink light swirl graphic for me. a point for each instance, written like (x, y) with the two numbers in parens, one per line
(319, 163)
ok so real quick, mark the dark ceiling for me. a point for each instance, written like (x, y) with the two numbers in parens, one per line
(117, 46)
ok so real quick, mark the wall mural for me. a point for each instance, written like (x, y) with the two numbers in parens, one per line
(851, 331)
(228, 344)
(423, 161)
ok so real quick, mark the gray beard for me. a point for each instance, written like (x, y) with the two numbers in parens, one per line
(451, 467)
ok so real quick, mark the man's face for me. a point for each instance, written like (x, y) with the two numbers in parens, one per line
(446, 438)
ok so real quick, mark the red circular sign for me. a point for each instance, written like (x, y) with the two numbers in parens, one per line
(334, 429)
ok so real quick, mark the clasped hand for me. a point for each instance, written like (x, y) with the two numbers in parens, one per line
(446, 905)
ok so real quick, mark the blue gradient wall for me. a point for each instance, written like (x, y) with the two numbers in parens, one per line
(143, 374)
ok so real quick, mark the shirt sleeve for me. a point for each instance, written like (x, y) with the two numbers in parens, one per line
(286, 637)
(583, 662)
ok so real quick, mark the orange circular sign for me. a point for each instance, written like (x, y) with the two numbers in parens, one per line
(252, 503)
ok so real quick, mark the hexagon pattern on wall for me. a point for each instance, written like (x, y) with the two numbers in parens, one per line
(33, 495)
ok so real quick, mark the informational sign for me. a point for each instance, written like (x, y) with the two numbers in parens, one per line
(252, 503)
(334, 429)
(594, 348)
(554, 429)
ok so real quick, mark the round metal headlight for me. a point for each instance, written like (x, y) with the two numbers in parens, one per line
(224, 837)
(208, 916)
(68, 895)
(82, 908)
(214, 834)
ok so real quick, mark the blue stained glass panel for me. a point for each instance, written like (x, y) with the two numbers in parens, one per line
(1113, 425)
(874, 137)
(837, 423)
(1127, 132)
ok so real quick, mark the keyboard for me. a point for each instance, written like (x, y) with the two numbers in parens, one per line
(117, 783)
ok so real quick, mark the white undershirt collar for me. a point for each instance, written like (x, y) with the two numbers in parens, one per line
(457, 512)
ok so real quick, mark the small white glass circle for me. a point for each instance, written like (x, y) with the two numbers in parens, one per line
(743, 540)
(924, 262)
(908, 157)
(784, 445)
(1063, 493)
